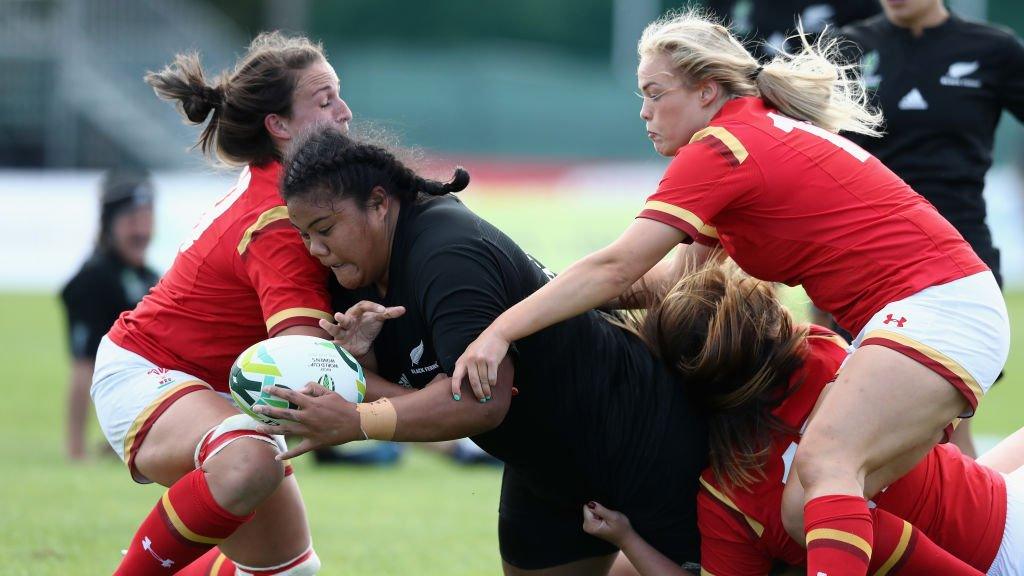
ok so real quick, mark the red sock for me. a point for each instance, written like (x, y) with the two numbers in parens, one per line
(839, 534)
(900, 548)
(183, 525)
(213, 563)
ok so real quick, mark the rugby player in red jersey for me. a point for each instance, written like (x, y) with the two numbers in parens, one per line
(244, 274)
(759, 168)
(759, 377)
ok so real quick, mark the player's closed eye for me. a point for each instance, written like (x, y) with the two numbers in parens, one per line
(655, 97)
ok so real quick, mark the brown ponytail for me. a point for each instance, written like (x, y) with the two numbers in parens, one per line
(263, 82)
(735, 346)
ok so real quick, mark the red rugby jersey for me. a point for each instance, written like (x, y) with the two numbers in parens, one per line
(741, 529)
(957, 503)
(243, 275)
(793, 203)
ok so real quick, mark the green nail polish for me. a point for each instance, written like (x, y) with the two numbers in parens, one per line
(483, 400)
(457, 397)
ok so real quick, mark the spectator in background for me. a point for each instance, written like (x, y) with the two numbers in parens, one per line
(942, 83)
(112, 280)
(765, 25)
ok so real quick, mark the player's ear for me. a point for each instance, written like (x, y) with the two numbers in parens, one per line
(380, 202)
(277, 125)
(708, 91)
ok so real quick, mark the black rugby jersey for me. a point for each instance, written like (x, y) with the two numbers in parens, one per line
(455, 273)
(765, 25)
(97, 294)
(942, 95)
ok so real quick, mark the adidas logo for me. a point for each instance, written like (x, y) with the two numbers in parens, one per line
(913, 100)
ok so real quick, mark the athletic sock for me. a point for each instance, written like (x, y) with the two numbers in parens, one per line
(839, 534)
(900, 548)
(183, 525)
(213, 563)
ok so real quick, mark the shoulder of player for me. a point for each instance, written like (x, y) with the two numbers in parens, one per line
(727, 140)
(870, 30)
(985, 31)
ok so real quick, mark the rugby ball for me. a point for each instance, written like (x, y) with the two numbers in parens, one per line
(292, 362)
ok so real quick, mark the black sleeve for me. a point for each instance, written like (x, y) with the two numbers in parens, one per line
(462, 289)
(88, 303)
(1011, 89)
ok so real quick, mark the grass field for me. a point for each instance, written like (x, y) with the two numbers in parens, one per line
(424, 517)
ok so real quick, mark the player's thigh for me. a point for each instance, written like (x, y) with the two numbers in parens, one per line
(277, 532)
(1007, 456)
(597, 566)
(168, 451)
(883, 406)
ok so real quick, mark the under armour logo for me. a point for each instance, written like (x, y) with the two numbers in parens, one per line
(899, 323)
(147, 545)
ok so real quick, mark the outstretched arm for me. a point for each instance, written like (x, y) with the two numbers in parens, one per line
(324, 418)
(586, 284)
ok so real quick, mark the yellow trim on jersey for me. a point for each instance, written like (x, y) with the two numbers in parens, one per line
(215, 569)
(730, 141)
(684, 215)
(273, 215)
(839, 536)
(935, 355)
(897, 554)
(140, 420)
(172, 515)
(704, 572)
(276, 319)
(756, 526)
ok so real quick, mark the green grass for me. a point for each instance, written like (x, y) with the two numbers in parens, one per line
(424, 517)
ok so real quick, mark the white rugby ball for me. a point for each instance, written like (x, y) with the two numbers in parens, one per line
(292, 362)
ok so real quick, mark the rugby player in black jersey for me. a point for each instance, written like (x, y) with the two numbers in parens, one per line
(582, 411)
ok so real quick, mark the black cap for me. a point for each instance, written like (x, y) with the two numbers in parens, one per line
(122, 188)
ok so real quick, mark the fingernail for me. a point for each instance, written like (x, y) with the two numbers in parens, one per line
(488, 398)
(591, 504)
(484, 400)
(456, 397)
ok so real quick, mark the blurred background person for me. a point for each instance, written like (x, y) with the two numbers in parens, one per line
(766, 25)
(942, 82)
(112, 280)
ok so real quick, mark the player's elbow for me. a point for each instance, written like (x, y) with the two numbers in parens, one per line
(614, 271)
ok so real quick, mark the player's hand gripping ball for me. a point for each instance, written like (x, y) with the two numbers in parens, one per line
(292, 362)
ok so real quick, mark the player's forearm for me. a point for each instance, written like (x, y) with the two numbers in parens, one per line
(378, 387)
(430, 414)
(647, 560)
(587, 284)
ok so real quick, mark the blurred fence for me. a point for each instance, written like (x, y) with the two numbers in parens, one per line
(559, 212)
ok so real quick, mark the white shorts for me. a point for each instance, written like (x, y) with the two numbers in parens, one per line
(960, 330)
(1010, 558)
(130, 393)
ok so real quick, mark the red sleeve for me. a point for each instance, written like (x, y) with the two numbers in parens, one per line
(291, 284)
(702, 180)
(728, 547)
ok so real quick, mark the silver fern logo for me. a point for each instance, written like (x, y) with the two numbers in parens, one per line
(417, 354)
(955, 76)
(869, 70)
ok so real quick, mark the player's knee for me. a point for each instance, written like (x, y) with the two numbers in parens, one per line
(307, 564)
(822, 458)
(793, 518)
(239, 463)
(244, 474)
